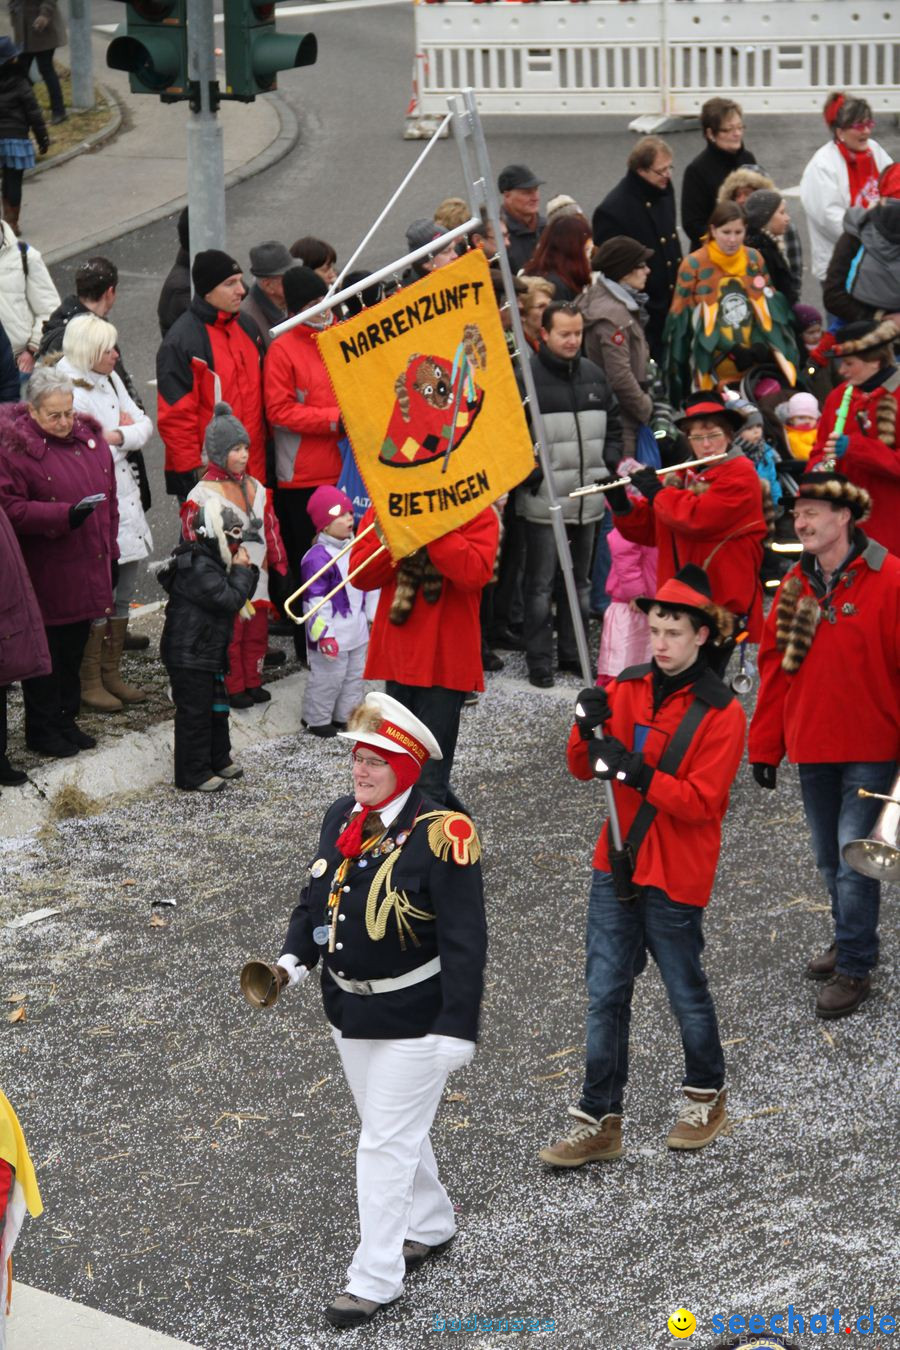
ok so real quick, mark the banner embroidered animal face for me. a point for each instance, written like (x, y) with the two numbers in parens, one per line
(437, 400)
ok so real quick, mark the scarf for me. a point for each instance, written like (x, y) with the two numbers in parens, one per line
(801, 441)
(406, 770)
(635, 301)
(732, 264)
(862, 175)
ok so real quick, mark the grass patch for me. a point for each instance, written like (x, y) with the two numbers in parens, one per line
(79, 126)
(70, 802)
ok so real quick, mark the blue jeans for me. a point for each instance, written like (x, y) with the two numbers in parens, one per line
(541, 563)
(618, 940)
(835, 815)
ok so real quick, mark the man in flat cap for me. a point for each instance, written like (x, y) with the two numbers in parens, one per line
(521, 212)
(264, 302)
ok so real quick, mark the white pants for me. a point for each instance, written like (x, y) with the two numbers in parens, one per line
(334, 687)
(397, 1086)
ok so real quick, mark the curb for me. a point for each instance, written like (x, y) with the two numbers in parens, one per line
(138, 761)
(283, 144)
(99, 137)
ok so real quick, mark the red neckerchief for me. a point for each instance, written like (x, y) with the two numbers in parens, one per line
(862, 173)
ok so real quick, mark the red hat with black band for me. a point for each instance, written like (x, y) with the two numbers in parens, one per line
(689, 592)
(706, 404)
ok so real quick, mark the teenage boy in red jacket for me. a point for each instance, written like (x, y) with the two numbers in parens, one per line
(829, 699)
(670, 737)
(716, 519)
(426, 637)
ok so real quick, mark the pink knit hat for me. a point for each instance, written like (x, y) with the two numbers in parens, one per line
(326, 504)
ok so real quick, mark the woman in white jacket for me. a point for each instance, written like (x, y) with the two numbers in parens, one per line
(89, 357)
(27, 296)
(841, 174)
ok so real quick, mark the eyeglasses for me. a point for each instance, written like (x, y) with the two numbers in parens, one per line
(732, 126)
(707, 437)
(664, 172)
(365, 761)
(862, 126)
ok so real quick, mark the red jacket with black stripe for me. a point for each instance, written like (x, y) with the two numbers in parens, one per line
(680, 851)
(206, 356)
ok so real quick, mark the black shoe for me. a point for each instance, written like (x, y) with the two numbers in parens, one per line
(79, 738)
(136, 642)
(326, 732)
(470, 700)
(274, 657)
(339, 726)
(574, 666)
(59, 117)
(53, 746)
(507, 640)
(9, 776)
(282, 628)
(491, 661)
(541, 679)
(241, 700)
(259, 695)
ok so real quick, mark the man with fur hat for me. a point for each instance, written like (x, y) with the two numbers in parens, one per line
(670, 737)
(829, 699)
(209, 578)
(210, 353)
(868, 450)
(715, 516)
(394, 907)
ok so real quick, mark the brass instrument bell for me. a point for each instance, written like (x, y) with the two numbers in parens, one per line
(878, 856)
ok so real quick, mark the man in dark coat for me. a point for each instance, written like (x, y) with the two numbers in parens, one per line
(23, 644)
(642, 206)
(175, 295)
(520, 212)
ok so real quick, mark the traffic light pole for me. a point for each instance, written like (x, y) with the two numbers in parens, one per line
(81, 55)
(206, 155)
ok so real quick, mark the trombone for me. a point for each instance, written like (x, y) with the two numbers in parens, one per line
(660, 473)
(304, 618)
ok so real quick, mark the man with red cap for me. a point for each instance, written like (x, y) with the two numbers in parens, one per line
(715, 516)
(394, 906)
(829, 699)
(669, 736)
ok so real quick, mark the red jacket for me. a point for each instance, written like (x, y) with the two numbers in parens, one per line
(687, 525)
(439, 644)
(207, 356)
(868, 462)
(302, 411)
(681, 849)
(843, 704)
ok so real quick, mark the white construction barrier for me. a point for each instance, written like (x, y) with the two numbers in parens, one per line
(662, 57)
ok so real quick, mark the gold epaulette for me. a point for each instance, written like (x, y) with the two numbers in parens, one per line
(452, 833)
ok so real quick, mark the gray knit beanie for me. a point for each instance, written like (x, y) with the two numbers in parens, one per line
(224, 434)
(761, 206)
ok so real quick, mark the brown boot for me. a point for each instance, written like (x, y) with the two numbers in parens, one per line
(842, 995)
(93, 694)
(822, 967)
(111, 660)
(700, 1118)
(591, 1140)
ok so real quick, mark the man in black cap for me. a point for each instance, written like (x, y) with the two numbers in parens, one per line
(521, 212)
(264, 302)
(642, 206)
(829, 700)
(208, 355)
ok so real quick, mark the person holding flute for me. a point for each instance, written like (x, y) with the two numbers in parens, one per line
(858, 430)
(713, 515)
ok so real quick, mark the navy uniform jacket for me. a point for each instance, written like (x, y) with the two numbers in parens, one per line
(432, 901)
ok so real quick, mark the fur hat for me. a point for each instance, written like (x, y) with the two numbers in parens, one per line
(865, 334)
(386, 724)
(825, 485)
(224, 434)
(689, 591)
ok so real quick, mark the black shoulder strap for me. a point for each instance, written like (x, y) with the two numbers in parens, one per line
(23, 253)
(633, 673)
(674, 753)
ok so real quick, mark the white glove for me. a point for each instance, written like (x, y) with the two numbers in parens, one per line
(295, 972)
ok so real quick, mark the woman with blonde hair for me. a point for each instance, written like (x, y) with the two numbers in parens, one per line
(89, 359)
(532, 304)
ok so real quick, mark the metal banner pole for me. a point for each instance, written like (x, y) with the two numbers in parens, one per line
(468, 126)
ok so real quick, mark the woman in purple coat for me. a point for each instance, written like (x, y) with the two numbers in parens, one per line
(57, 486)
(23, 646)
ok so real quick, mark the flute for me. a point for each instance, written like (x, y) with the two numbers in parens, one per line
(671, 468)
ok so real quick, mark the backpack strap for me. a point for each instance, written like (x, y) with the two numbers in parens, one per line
(671, 759)
(23, 254)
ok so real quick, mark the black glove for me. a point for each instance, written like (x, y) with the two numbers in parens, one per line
(747, 357)
(609, 758)
(79, 514)
(618, 501)
(647, 482)
(591, 710)
(765, 775)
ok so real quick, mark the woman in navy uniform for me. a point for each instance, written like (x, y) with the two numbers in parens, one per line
(394, 907)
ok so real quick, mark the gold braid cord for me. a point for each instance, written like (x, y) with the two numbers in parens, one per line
(449, 833)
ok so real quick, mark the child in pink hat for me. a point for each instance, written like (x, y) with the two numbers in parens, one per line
(338, 635)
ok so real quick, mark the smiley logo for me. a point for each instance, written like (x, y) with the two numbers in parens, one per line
(682, 1323)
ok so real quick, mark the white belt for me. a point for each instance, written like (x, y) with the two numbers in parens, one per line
(385, 986)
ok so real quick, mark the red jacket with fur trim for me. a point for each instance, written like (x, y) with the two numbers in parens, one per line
(680, 851)
(206, 356)
(719, 517)
(872, 459)
(842, 705)
(302, 411)
(440, 643)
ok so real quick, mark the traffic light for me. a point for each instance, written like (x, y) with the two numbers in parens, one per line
(151, 45)
(255, 52)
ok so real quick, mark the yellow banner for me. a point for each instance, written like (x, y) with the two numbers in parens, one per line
(426, 387)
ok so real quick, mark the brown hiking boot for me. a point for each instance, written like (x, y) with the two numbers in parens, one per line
(822, 967)
(591, 1140)
(700, 1118)
(842, 995)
